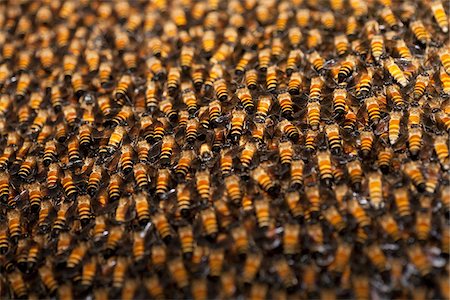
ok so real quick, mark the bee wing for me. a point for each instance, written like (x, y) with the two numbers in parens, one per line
(155, 151)
(382, 126)
(112, 162)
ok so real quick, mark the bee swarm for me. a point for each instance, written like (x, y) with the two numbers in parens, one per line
(211, 149)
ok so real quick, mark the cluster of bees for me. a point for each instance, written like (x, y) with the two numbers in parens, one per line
(224, 149)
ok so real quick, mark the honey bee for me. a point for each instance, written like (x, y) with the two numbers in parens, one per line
(104, 74)
(251, 79)
(154, 287)
(76, 255)
(69, 186)
(412, 171)
(43, 222)
(444, 56)
(4, 242)
(423, 225)
(209, 221)
(162, 226)
(317, 62)
(216, 257)
(48, 278)
(346, 69)
(18, 284)
(394, 126)
(419, 259)
(271, 79)
(373, 110)
(99, 229)
(88, 272)
(179, 273)
(203, 185)
(359, 214)
(313, 114)
(395, 71)
(293, 59)
(115, 140)
(233, 188)
(251, 266)
(6, 156)
(114, 237)
(402, 202)
(441, 150)
(162, 182)
(341, 44)
(142, 208)
(120, 269)
(22, 86)
(291, 239)
(314, 39)
(420, 32)
(375, 190)
(285, 102)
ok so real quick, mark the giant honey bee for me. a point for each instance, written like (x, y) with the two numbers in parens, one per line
(295, 128)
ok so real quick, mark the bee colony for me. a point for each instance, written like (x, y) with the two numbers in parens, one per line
(210, 149)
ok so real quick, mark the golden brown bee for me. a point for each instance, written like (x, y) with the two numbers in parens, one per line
(419, 259)
(122, 210)
(314, 38)
(413, 172)
(359, 214)
(48, 278)
(394, 126)
(76, 255)
(179, 273)
(203, 184)
(420, 32)
(162, 226)
(233, 188)
(251, 267)
(4, 242)
(120, 269)
(243, 63)
(5, 102)
(346, 69)
(375, 190)
(68, 185)
(122, 90)
(373, 109)
(402, 202)
(395, 71)
(18, 284)
(285, 102)
(317, 62)
(89, 272)
(142, 208)
(237, 125)
(313, 114)
(22, 86)
(154, 287)
(216, 257)
(263, 59)
(104, 74)
(262, 177)
(84, 209)
(423, 225)
(251, 79)
(441, 150)
(114, 237)
(209, 221)
(221, 90)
